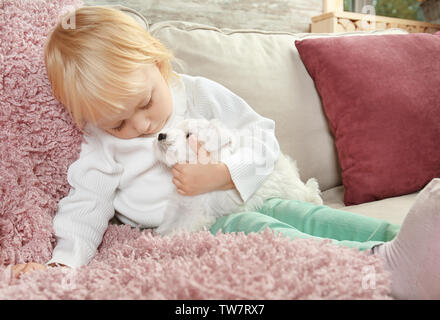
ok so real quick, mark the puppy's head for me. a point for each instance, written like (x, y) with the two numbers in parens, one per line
(172, 146)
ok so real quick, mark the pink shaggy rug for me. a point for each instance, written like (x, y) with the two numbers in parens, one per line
(138, 265)
(38, 142)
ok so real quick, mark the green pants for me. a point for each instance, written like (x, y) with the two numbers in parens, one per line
(297, 219)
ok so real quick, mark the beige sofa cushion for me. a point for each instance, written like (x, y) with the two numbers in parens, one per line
(265, 69)
(393, 209)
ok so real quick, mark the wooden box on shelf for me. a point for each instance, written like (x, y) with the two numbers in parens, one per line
(335, 19)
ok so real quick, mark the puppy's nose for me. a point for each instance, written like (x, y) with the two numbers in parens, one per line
(162, 136)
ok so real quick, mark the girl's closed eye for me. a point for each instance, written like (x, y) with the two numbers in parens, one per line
(119, 128)
(147, 105)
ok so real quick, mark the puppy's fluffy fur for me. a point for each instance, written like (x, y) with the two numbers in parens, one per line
(193, 213)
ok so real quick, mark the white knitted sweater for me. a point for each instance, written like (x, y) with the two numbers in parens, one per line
(121, 175)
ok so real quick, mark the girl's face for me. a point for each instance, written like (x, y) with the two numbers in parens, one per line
(145, 114)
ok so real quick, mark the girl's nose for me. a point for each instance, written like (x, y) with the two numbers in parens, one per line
(140, 123)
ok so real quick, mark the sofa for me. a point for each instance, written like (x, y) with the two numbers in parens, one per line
(40, 141)
(266, 70)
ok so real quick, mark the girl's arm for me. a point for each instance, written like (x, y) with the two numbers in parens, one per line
(258, 148)
(83, 215)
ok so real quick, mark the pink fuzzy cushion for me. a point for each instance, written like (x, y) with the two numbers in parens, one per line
(381, 96)
(38, 142)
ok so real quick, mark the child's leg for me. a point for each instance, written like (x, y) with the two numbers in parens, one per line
(413, 257)
(325, 222)
(248, 222)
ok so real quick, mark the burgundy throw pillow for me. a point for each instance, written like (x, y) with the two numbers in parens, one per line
(381, 95)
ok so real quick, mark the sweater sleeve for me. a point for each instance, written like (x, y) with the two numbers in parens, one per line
(83, 215)
(258, 149)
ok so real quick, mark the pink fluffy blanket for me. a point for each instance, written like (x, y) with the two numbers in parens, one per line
(137, 265)
(38, 142)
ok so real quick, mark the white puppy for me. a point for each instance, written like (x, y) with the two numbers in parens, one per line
(193, 213)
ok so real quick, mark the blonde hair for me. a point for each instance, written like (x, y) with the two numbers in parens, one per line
(88, 65)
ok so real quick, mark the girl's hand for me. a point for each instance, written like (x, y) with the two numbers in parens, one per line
(203, 176)
(19, 269)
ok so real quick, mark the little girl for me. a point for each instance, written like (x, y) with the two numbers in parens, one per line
(117, 84)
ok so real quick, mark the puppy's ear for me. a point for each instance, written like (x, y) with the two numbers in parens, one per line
(215, 136)
(184, 124)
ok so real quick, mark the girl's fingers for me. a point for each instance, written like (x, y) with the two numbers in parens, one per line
(177, 183)
(35, 266)
(17, 269)
(26, 267)
(176, 173)
(193, 143)
(202, 154)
